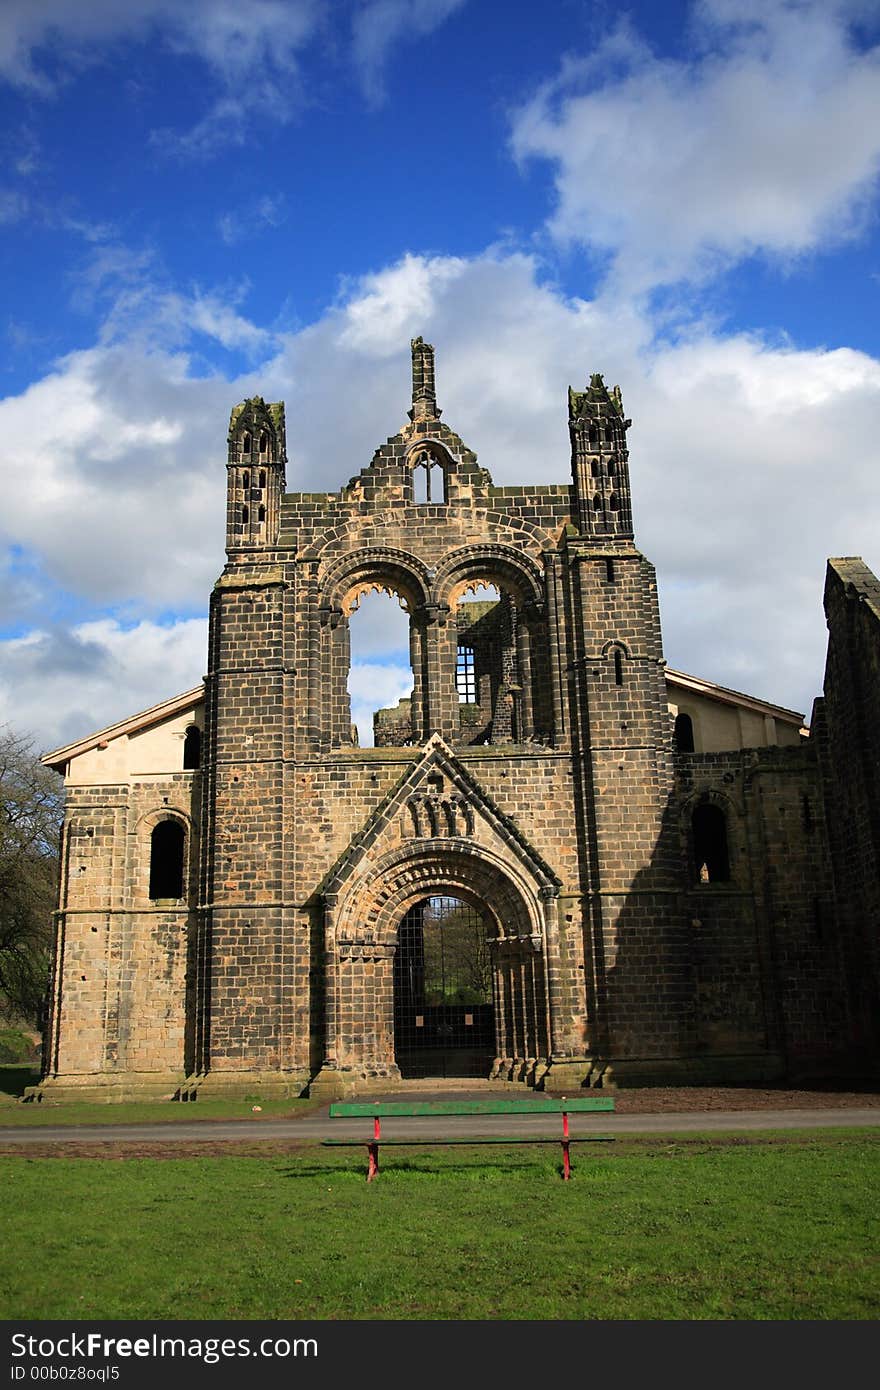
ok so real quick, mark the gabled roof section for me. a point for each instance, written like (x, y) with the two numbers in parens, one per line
(710, 691)
(437, 756)
(133, 725)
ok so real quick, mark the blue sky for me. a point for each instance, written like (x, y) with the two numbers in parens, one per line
(199, 202)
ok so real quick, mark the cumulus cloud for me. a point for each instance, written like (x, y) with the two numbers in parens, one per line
(766, 141)
(374, 686)
(62, 684)
(751, 463)
(380, 672)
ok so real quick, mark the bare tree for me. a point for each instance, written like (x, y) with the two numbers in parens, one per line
(31, 809)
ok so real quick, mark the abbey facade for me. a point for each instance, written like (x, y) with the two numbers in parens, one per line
(561, 863)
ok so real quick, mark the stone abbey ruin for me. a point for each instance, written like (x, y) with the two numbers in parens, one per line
(561, 863)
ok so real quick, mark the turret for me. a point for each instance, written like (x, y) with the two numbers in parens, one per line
(257, 458)
(600, 460)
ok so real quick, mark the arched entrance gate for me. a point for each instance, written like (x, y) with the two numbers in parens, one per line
(436, 968)
(444, 1015)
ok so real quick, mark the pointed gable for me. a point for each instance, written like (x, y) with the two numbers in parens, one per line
(437, 804)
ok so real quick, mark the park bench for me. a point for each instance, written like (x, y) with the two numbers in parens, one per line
(531, 1105)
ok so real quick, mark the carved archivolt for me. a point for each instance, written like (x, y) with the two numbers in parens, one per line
(501, 565)
(375, 567)
(372, 908)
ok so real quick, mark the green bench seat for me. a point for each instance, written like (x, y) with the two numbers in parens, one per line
(532, 1105)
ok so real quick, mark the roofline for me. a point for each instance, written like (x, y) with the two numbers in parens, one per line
(59, 756)
(732, 697)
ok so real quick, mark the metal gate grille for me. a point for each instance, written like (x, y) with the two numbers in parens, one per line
(443, 1016)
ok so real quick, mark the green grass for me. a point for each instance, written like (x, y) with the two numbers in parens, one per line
(13, 1081)
(154, 1112)
(654, 1229)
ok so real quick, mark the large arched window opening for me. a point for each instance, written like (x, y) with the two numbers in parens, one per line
(380, 676)
(479, 624)
(167, 845)
(502, 669)
(711, 856)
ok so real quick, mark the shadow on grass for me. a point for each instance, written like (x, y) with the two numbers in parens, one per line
(14, 1079)
(485, 1170)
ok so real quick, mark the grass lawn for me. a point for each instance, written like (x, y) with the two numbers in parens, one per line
(779, 1227)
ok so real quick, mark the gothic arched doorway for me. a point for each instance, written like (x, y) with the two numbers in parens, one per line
(444, 1019)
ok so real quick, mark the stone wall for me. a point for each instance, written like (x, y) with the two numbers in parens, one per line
(847, 726)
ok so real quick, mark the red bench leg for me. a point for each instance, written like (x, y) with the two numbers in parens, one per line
(373, 1150)
(566, 1161)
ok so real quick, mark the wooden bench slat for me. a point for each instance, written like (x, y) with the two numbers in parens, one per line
(491, 1139)
(537, 1105)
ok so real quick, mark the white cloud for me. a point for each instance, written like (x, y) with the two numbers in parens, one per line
(253, 49)
(767, 140)
(124, 457)
(751, 463)
(13, 206)
(240, 224)
(62, 685)
(374, 687)
(230, 37)
(379, 24)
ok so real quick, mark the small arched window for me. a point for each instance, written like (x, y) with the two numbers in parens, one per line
(262, 477)
(711, 856)
(429, 480)
(264, 442)
(597, 503)
(261, 514)
(594, 467)
(612, 502)
(246, 444)
(594, 435)
(611, 468)
(609, 435)
(684, 733)
(618, 668)
(245, 516)
(166, 860)
(245, 480)
(192, 748)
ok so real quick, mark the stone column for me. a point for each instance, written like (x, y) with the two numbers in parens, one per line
(555, 640)
(331, 982)
(417, 661)
(526, 718)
